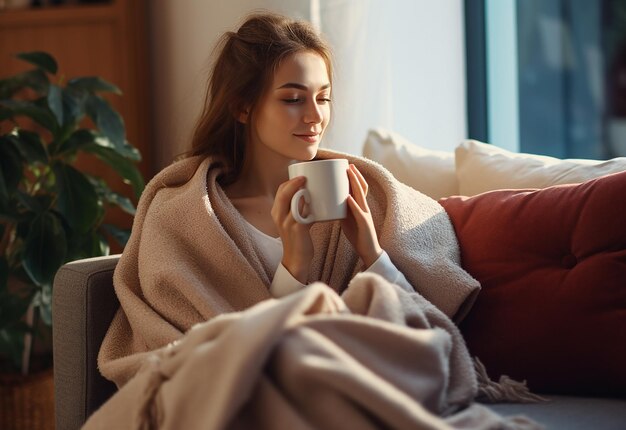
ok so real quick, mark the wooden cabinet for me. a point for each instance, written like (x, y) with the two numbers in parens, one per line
(107, 39)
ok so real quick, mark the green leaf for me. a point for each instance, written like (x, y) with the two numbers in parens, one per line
(93, 84)
(55, 102)
(107, 120)
(121, 165)
(31, 203)
(103, 245)
(87, 245)
(73, 106)
(45, 248)
(126, 151)
(122, 202)
(11, 171)
(40, 59)
(30, 109)
(23, 224)
(121, 236)
(112, 197)
(10, 86)
(31, 147)
(76, 141)
(45, 304)
(45, 311)
(78, 201)
(35, 79)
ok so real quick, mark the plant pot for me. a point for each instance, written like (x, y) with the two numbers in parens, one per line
(27, 402)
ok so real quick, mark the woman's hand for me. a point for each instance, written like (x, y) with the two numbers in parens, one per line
(296, 238)
(358, 226)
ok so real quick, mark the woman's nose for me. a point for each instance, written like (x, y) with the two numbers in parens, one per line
(313, 114)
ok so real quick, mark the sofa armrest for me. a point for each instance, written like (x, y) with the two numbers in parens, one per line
(83, 304)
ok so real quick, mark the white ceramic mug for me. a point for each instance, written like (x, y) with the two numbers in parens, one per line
(325, 191)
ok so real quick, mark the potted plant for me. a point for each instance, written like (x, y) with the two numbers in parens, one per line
(51, 210)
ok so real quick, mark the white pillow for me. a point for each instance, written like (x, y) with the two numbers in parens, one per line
(481, 167)
(428, 171)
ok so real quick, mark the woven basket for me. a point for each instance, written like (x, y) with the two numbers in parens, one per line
(27, 402)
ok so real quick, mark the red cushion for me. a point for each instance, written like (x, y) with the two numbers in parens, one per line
(552, 264)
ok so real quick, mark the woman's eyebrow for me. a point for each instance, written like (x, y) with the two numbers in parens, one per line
(300, 86)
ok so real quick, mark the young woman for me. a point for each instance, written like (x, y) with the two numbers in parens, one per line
(213, 233)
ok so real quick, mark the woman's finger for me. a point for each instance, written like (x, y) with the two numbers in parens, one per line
(284, 194)
(357, 211)
(362, 180)
(356, 188)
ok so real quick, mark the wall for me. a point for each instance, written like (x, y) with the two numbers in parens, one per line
(426, 97)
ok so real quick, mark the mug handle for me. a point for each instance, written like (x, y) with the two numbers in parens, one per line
(295, 202)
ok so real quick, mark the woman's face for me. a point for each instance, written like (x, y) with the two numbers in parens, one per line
(291, 117)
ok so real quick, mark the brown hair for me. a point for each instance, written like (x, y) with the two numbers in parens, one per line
(241, 74)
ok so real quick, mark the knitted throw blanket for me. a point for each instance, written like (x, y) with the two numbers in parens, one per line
(190, 263)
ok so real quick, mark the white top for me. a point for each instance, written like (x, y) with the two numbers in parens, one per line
(284, 283)
(272, 247)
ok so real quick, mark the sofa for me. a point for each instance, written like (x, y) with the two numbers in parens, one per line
(546, 238)
(503, 329)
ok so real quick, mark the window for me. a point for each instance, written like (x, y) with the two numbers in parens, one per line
(548, 76)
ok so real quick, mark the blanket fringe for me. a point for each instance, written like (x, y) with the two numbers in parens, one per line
(505, 390)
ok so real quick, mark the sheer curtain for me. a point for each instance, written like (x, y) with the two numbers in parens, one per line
(399, 64)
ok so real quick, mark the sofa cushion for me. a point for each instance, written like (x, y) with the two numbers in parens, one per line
(552, 264)
(481, 167)
(428, 171)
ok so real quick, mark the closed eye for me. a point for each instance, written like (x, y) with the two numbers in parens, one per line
(296, 100)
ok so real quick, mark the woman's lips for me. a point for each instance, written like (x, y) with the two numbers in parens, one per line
(310, 138)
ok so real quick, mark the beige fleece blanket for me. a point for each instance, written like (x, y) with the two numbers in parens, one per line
(376, 357)
(190, 261)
